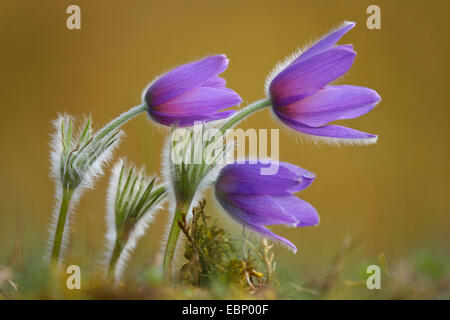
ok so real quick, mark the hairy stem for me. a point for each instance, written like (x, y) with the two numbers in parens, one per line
(244, 113)
(60, 226)
(115, 257)
(117, 122)
(174, 234)
(183, 206)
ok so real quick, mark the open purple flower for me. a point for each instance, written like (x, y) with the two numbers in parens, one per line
(257, 201)
(192, 92)
(303, 100)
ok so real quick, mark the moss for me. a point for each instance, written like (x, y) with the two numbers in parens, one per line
(215, 260)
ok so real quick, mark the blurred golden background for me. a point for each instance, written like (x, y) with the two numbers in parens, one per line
(394, 194)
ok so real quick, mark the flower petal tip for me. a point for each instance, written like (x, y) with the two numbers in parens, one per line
(337, 142)
(284, 243)
(349, 23)
(290, 246)
(225, 59)
(349, 141)
(191, 92)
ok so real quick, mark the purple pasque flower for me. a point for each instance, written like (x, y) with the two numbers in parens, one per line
(191, 92)
(303, 100)
(257, 201)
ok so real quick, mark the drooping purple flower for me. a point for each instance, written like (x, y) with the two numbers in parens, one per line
(257, 201)
(191, 92)
(303, 100)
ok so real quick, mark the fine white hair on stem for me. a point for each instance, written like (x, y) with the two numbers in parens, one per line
(204, 177)
(167, 172)
(139, 224)
(281, 65)
(94, 170)
(61, 151)
(110, 218)
(54, 221)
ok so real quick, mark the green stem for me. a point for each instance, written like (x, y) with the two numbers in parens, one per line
(172, 240)
(182, 208)
(59, 232)
(122, 237)
(117, 122)
(114, 257)
(245, 112)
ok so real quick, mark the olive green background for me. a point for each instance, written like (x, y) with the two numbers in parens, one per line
(394, 194)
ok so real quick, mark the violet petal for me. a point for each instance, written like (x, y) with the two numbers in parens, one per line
(267, 233)
(305, 77)
(185, 121)
(256, 209)
(328, 131)
(246, 178)
(327, 41)
(332, 103)
(184, 78)
(303, 211)
(200, 101)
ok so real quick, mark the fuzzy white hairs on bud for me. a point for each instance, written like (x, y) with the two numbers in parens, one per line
(75, 164)
(193, 147)
(137, 216)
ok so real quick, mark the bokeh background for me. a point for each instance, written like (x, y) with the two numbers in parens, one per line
(394, 195)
